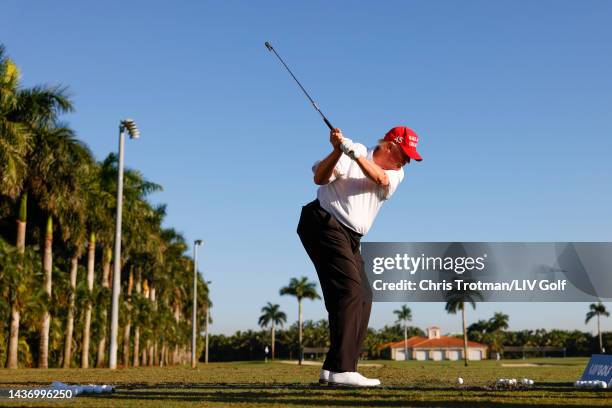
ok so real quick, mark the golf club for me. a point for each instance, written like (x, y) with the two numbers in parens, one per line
(270, 48)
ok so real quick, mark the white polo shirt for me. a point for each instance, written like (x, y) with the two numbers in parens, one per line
(351, 196)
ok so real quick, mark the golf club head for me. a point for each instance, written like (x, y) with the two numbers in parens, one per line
(268, 46)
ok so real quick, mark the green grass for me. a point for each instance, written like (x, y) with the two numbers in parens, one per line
(256, 384)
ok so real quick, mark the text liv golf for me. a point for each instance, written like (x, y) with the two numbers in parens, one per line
(429, 285)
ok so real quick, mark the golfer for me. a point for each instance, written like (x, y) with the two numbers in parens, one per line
(355, 182)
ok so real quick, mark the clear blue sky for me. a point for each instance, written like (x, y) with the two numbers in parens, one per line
(512, 100)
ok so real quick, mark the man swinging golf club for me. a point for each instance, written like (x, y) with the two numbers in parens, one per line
(354, 182)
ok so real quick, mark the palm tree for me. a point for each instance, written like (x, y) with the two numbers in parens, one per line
(495, 326)
(72, 222)
(499, 321)
(14, 131)
(138, 218)
(456, 300)
(404, 315)
(204, 306)
(128, 323)
(24, 113)
(17, 277)
(143, 221)
(597, 310)
(103, 302)
(176, 296)
(95, 220)
(57, 162)
(73, 228)
(272, 315)
(38, 108)
(301, 289)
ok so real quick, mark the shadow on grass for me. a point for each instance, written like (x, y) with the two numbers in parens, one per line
(301, 394)
(556, 394)
(309, 398)
(124, 387)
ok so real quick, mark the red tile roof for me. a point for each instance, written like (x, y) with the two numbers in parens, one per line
(423, 342)
(410, 342)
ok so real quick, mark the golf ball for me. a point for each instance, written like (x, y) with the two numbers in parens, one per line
(459, 380)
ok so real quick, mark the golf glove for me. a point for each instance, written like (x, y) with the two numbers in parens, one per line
(347, 147)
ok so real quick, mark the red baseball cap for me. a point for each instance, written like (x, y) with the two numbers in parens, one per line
(407, 139)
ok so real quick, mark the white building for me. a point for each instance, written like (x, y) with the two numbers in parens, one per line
(435, 347)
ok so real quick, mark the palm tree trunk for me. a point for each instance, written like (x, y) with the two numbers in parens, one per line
(128, 321)
(153, 343)
(405, 342)
(273, 339)
(300, 356)
(43, 349)
(13, 349)
(107, 257)
(465, 341)
(177, 318)
(91, 258)
(162, 353)
(21, 222)
(599, 334)
(12, 361)
(145, 350)
(74, 267)
(135, 361)
(206, 336)
(144, 355)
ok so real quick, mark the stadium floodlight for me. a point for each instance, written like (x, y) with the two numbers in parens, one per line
(130, 126)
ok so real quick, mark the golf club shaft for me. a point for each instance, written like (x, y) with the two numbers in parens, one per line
(314, 104)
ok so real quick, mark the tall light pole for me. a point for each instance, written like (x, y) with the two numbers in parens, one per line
(194, 324)
(130, 126)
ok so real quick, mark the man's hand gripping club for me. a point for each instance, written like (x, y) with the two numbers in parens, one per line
(344, 145)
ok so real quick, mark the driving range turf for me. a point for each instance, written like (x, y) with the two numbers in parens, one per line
(259, 384)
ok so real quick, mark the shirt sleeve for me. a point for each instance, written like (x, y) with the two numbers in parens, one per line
(340, 170)
(395, 178)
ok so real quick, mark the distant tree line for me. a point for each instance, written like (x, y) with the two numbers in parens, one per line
(576, 342)
(250, 344)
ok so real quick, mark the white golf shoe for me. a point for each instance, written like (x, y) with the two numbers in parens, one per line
(324, 376)
(352, 379)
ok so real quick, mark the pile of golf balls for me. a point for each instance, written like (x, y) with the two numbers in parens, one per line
(514, 381)
(591, 384)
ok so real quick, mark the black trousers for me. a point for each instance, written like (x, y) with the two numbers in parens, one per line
(334, 251)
